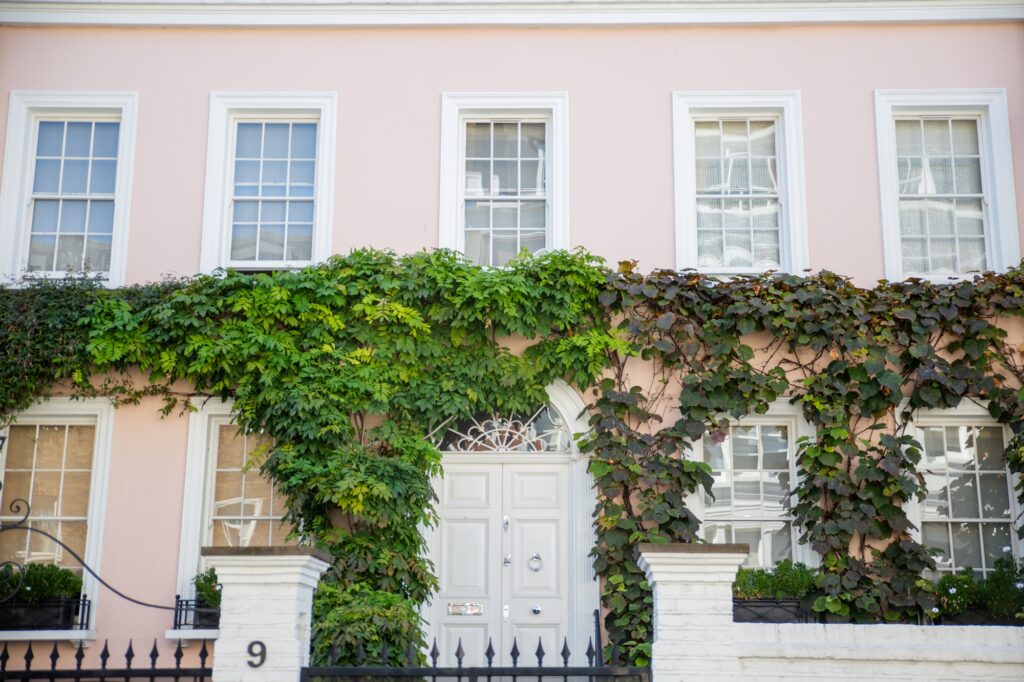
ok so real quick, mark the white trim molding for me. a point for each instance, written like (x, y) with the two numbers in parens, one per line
(455, 108)
(26, 108)
(1002, 238)
(322, 13)
(225, 110)
(785, 105)
(98, 412)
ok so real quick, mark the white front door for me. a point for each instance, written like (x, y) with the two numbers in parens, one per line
(501, 552)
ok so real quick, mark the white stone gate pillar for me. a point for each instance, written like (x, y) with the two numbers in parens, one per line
(693, 628)
(266, 603)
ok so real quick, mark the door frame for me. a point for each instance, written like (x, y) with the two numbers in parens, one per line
(584, 588)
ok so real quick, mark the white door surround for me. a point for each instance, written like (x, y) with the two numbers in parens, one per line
(509, 507)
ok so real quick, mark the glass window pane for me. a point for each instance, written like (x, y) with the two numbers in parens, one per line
(738, 247)
(478, 177)
(996, 541)
(275, 172)
(938, 176)
(766, 249)
(301, 172)
(300, 211)
(708, 138)
(300, 242)
(243, 242)
(913, 217)
(505, 214)
(908, 138)
(965, 136)
(79, 140)
(101, 179)
(713, 454)
(709, 176)
(51, 138)
(80, 443)
(734, 139)
(478, 247)
(478, 214)
(74, 177)
(478, 140)
(47, 177)
(936, 505)
(533, 214)
(272, 211)
(506, 140)
(989, 450)
(70, 250)
(249, 140)
(936, 138)
(968, 176)
(72, 216)
(44, 216)
(775, 446)
(505, 246)
(532, 241)
(533, 141)
(747, 491)
(709, 213)
(246, 211)
(247, 172)
(709, 248)
(104, 140)
(762, 138)
(506, 178)
(743, 440)
(963, 495)
(275, 140)
(966, 545)
(936, 536)
(304, 140)
(531, 177)
(995, 496)
(41, 251)
(780, 542)
(97, 252)
(776, 491)
(749, 534)
(271, 241)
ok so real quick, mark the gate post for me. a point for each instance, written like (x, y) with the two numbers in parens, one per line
(265, 609)
(693, 628)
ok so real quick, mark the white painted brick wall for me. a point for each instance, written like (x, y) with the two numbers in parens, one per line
(266, 598)
(695, 638)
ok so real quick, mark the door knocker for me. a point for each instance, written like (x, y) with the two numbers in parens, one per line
(535, 563)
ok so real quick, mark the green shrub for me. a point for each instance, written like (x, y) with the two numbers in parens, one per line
(786, 581)
(1002, 591)
(207, 588)
(346, 617)
(956, 592)
(41, 581)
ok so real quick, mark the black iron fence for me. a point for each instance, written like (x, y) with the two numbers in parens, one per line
(192, 614)
(57, 613)
(560, 665)
(53, 668)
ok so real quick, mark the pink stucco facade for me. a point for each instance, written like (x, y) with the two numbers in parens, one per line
(389, 83)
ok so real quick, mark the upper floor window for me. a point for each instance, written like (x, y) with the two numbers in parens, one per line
(969, 511)
(739, 182)
(269, 169)
(754, 472)
(69, 212)
(503, 176)
(946, 209)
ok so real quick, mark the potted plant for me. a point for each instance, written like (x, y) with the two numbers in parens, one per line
(771, 595)
(45, 597)
(997, 599)
(207, 609)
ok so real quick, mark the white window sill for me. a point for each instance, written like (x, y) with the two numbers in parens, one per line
(73, 636)
(187, 635)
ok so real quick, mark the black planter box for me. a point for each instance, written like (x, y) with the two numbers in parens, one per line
(977, 615)
(46, 614)
(768, 611)
(206, 617)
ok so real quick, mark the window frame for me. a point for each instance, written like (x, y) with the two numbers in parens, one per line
(27, 108)
(226, 110)
(785, 106)
(1002, 240)
(968, 413)
(780, 412)
(456, 110)
(97, 412)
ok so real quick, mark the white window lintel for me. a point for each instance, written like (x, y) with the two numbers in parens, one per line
(454, 107)
(686, 106)
(26, 107)
(1002, 237)
(225, 108)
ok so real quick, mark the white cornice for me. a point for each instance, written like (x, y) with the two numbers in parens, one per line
(320, 13)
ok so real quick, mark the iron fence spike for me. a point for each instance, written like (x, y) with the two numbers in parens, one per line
(178, 655)
(154, 654)
(539, 653)
(28, 657)
(434, 653)
(104, 655)
(204, 653)
(335, 652)
(459, 653)
(4, 657)
(129, 654)
(79, 655)
(410, 653)
(565, 652)
(54, 655)
(384, 657)
(490, 653)
(590, 651)
(360, 654)
(615, 653)
(515, 652)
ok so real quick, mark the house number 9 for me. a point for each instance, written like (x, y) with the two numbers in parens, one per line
(258, 651)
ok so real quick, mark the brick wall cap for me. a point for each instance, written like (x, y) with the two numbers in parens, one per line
(691, 548)
(277, 550)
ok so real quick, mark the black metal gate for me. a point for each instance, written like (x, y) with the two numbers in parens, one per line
(52, 668)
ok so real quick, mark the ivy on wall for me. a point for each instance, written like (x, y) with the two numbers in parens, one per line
(355, 366)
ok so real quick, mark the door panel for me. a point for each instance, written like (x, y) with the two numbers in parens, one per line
(490, 513)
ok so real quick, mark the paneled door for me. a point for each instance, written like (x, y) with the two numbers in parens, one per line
(500, 550)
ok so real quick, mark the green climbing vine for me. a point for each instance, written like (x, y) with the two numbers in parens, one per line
(355, 367)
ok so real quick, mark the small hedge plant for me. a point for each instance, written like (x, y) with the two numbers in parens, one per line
(41, 581)
(346, 618)
(1001, 593)
(207, 589)
(787, 580)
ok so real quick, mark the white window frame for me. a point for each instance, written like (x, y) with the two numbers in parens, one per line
(1002, 239)
(456, 109)
(779, 412)
(968, 413)
(783, 105)
(98, 412)
(226, 109)
(27, 107)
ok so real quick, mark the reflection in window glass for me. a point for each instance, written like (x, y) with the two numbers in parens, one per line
(751, 468)
(968, 512)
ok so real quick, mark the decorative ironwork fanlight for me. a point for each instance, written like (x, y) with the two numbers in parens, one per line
(543, 431)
